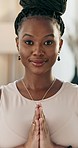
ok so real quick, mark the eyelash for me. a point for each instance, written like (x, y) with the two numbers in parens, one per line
(29, 42)
(49, 42)
(46, 43)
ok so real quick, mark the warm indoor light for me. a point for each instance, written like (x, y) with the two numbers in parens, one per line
(7, 38)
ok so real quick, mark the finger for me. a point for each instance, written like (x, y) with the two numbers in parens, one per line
(33, 128)
(36, 117)
(42, 119)
(33, 122)
(42, 113)
(33, 135)
(44, 130)
(41, 123)
(38, 105)
(37, 128)
(37, 113)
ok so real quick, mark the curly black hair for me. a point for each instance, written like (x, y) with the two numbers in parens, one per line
(49, 8)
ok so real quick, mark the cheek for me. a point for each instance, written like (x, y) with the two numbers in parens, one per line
(53, 52)
(52, 58)
(24, 56)
(24, 52)
(52, 55)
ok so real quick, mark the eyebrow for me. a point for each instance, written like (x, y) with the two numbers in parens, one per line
(52, 35)
(27, 35)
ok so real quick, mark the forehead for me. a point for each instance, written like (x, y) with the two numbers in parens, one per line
(39, 26)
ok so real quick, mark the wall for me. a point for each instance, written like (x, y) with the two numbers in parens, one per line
(10, 68)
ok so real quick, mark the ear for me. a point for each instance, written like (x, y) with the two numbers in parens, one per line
(60, 44)
(17, 43)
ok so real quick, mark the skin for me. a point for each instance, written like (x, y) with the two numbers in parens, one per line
(36, 56)
(38, 44)
(37, 48)
(39, 133)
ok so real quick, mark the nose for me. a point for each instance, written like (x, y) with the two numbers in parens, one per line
(38, 50)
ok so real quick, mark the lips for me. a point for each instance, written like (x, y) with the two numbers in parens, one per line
(38, 62)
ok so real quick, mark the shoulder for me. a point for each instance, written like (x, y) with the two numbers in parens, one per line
(69, 94)
(70, 90)
(70, 86)
(8, 90)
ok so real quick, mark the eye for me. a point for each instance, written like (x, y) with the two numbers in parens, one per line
(49, 42)
(29, 42)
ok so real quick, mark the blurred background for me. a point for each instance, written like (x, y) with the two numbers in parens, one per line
(12, 69)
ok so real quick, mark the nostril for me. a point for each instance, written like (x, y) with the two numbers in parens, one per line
(39, 52)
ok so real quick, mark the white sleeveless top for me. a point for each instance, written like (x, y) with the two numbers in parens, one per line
(16, 115)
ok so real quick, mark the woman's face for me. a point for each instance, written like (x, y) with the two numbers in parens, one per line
(38, 43)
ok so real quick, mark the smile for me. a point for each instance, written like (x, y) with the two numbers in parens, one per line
(38, 63)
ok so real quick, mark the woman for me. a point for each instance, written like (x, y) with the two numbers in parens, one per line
(39, 111)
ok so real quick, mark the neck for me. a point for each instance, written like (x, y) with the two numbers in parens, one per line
(34, 81)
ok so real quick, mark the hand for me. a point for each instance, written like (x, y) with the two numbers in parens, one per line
(45, 140)
(39, 136)
(33, 137)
